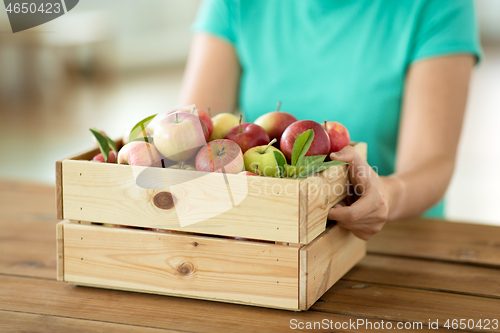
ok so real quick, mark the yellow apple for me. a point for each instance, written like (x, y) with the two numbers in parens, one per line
(223, 123)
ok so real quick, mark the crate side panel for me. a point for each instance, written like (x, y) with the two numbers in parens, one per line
(60, 249)
(59, 188)
(329, 257)
(183, 265)
(191, 201)
(325, 190)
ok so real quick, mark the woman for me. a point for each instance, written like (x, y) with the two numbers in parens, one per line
(395, 73)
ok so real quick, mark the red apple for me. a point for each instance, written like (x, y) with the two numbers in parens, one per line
(275, 123)
(206, 119)
(203, 116)
(111, 157)
(220, 155)
(339, 135)
(139, 153)
(319, 146)
(248, 135)
(180, 135)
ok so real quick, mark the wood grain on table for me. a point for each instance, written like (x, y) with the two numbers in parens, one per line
(417, 270)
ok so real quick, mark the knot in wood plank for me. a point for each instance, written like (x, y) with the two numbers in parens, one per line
(163, 200)
(185, 269)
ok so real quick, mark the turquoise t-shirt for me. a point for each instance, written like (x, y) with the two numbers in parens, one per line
(340, 60)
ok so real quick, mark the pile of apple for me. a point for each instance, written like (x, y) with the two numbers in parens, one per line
(275, 145)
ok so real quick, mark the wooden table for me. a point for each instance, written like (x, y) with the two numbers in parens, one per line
(416, 271)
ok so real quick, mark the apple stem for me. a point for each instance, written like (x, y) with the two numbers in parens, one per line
(176, 117)
(209, 113)
(241, 130)
(256, 166)
(194, 109)
(181, 165)
(269, 144)
(221, 152)
(278, 106)
(324, 125)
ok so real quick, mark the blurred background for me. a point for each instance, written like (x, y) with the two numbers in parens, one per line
(108, 64)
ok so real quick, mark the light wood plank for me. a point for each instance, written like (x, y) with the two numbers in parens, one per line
(85, 155)
(303, 212)
(60, 249)
(303, 275)
(265, 208)
(253, 273)
(427, 274)
(405, 304)
(323, 194)
(59, 191)
(55, 298)
(438, 239)
(328, 258)
(15, 322)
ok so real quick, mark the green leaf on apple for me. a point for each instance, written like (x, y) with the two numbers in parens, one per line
(139, 128)
(111, 143)
(102, 142)
(280, 163)
(310, 160)
(318, 167)
(302, 145)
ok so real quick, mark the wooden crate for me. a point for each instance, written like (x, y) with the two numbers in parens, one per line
(236, 271)
(287, 260)
(264, 208)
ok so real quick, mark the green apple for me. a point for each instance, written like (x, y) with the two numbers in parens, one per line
(222, 124)
(260, 160)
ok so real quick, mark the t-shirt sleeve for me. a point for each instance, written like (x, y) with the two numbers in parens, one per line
(446, 27)
(218, 18)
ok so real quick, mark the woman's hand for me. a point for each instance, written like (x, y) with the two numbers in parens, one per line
(368, 214)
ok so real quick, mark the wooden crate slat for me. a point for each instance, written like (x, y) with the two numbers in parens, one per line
(253, 273)
(287, 212)
(321, 198)
(427, 274)
(85, 155)
(60, 250)
(405, 304)
(438, 239)
(108, 193)
(59, 191)
(328, 258)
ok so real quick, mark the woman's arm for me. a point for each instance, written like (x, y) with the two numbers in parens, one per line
(212, 75)
(433, 108)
